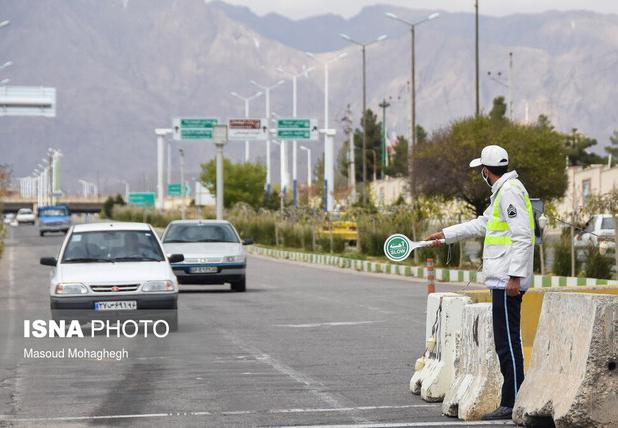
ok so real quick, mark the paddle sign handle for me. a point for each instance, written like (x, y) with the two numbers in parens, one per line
(420, 244)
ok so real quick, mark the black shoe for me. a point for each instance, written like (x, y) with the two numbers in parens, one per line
(498, 414)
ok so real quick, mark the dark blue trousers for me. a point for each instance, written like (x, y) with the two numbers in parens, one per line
(507, 339)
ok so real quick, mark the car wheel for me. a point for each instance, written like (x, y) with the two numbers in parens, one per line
(42, 233)
(239, 286)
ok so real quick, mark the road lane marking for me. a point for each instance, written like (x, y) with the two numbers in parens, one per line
(350, 409)
(11, 418)
(328, 324)
(406, 424)
(314, 387)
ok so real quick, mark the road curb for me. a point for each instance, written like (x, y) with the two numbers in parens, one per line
(441, 274)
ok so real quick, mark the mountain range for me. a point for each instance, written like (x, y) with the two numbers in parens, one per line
(125, 67)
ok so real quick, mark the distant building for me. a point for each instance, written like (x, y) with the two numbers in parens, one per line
(585, 182)
(386, 192)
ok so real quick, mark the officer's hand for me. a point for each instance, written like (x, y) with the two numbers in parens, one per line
(512, 287)
(435, 237)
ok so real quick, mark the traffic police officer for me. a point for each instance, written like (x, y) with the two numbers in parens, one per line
(508, 254)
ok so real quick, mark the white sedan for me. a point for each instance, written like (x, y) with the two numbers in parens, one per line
(113, 270)
(25, 216)
(213, 252)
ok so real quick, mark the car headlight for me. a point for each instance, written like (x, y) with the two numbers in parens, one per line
(153, 286)
(232, 259)
(68, 288)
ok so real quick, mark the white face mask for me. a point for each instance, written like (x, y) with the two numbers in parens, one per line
(485, 177)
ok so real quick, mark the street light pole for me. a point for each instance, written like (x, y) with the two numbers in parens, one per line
(384, 159)
(246, 100)
(294, 77)
(308, 167)
(266, 90)
(182, 183)
(364, 154)
(161, 133)
(412, 142)
(329, 149)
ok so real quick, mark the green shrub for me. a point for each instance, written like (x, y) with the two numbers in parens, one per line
(598, 265)
(562, 257)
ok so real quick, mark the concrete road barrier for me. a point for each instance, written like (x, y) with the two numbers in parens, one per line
(443, 331)
(573, 375)
(476, 389)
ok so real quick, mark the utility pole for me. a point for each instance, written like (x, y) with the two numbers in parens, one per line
(476, 9)
(412, 142)
(384, 161)
(349, 129)
(364, 153)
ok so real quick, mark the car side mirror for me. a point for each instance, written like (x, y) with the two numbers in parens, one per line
(176, 258)
(247, 242)
(49, 261)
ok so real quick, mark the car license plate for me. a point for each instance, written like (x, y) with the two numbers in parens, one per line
(125, 305)
(203, 269)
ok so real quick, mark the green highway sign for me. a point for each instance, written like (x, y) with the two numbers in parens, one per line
(174, 189)
(197, 123)
(297, 129)
(294, 123)
(141, 199)
(196, 134)
(293, 134)
(193, 128)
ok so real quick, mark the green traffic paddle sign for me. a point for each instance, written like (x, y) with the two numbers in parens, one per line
(397, 247)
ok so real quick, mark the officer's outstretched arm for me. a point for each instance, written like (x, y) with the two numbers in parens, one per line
(513, 209)
(467, 230)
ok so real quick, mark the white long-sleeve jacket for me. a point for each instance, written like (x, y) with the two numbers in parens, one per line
(508, 252)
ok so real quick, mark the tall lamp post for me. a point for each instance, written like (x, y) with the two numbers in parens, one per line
(364, 152)
(329, 149)
(412, 26)
(294, 77)
(267, 90)
(308, 167)
(246, 100)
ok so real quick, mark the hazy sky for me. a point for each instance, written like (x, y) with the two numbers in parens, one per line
(302, 8)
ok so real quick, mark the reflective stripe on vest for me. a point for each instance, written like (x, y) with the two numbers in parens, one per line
(495, 223)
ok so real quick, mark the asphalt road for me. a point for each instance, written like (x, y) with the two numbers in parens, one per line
(303, 346)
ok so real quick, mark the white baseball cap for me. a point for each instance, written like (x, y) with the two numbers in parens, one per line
(491, 156)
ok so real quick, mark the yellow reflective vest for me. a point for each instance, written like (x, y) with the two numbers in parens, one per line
(508, 227)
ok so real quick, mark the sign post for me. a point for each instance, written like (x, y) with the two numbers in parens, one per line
(220, 138)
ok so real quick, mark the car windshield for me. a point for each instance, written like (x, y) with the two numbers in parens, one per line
(24, 211)
(112, 246)
(607, 223)
(53, 212)
(200, 232)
